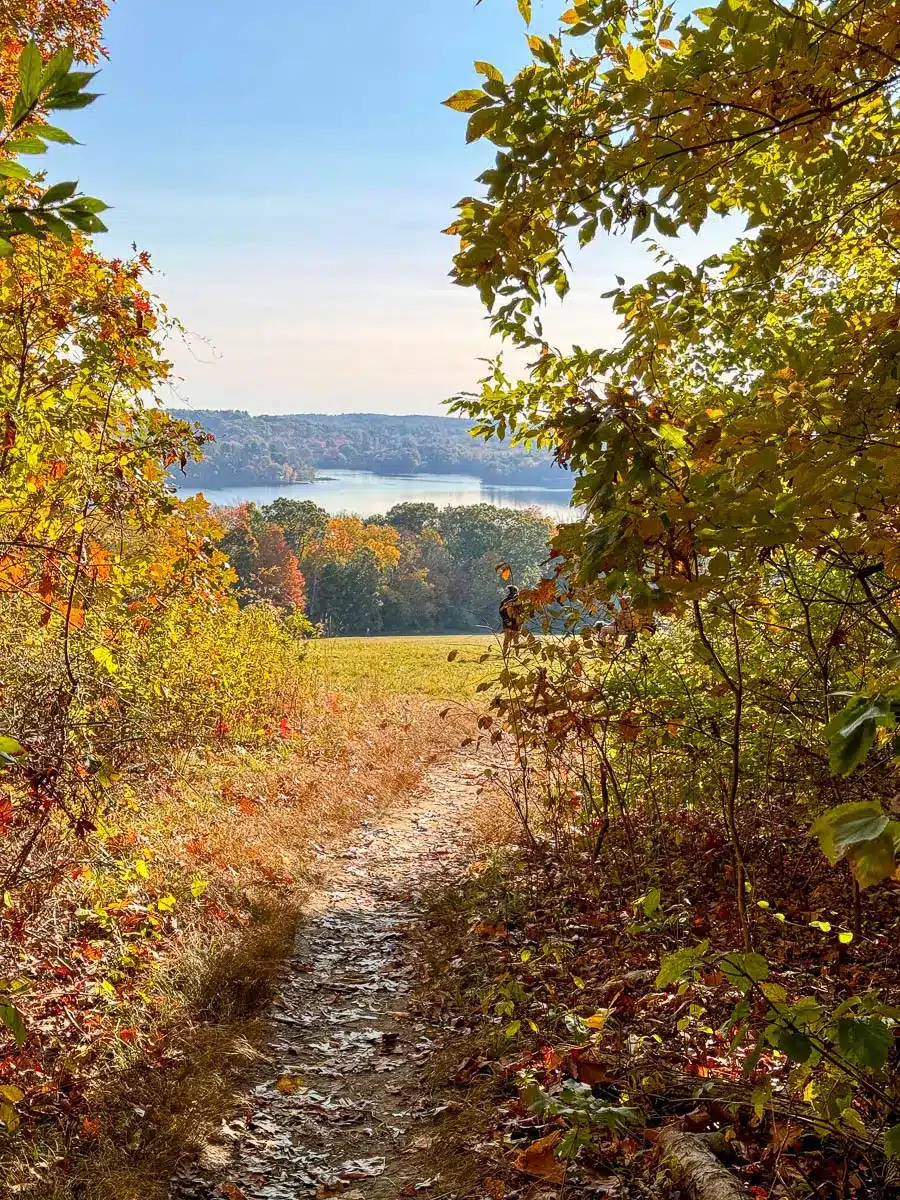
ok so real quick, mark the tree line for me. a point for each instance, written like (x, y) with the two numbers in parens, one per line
(249, 449)
(417, 569)
(737, 457)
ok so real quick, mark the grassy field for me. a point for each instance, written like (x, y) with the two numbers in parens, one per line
(404, 666)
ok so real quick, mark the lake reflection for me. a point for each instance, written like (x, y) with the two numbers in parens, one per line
(368, 495)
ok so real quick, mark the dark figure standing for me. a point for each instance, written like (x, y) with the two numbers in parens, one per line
(510, 614)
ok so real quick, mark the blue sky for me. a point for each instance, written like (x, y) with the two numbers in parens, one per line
(289, 166)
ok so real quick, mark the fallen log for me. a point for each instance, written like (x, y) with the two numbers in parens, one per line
(695, 1168)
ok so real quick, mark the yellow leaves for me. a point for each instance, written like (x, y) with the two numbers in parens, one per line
(570, 17)
(346, 536)
(466, 100)
(488, 71)
(598, 1021)
(637, 64)
(105, 657)
(289, 1084)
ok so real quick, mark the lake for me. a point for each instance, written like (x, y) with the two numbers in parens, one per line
(368, 494)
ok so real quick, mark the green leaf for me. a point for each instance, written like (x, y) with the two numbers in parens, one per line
(10, 748)
(674, 966)
(89, 204)
(466, 100)
(26, 145)
(31, 66)
(14, 170)
(12, 1019)
(852, 731)
(743, 970)
(59, 191)
(57, 67)
(847, 825)
(6, 248)
(86, 222)
(57, 227)
(51, 134)
(11, 1093)
(792, 1042)
(481, 123)
(873, 861)
(59, 100)
(676, 438)
(525, 10)
(641, 224)
(865, 1043)
(892, 1142)
(862, 832)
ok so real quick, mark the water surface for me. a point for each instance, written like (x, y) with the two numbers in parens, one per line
(368, 494)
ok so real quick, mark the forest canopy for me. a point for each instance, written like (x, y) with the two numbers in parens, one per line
(417, 569)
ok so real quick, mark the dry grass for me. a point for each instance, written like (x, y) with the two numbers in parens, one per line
(250, 821)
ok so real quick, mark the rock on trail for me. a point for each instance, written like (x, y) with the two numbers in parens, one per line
(337, 1107)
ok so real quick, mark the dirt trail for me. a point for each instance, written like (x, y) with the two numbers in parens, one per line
(337, 1102)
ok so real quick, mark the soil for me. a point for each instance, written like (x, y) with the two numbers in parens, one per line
(337, 1105)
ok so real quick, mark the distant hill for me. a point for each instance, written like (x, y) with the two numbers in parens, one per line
(276, 449)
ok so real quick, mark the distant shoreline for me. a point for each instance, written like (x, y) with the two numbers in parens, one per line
(220, 483)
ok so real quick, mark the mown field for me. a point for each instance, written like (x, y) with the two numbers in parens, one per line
(404, 666)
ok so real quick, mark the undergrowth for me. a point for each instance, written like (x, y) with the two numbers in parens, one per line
(568, 1045)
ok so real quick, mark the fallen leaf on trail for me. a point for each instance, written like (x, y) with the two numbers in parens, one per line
(539, 1160)
(597, 1021)
(362, 1168)
(232, 1192)
(495, 1188)
(91, 1126)
(334, 1188)
(484, 930)
(289, 1084)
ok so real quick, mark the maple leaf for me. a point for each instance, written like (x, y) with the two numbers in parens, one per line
(540, 1161)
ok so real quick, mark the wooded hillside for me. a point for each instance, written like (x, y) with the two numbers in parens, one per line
(275, 449)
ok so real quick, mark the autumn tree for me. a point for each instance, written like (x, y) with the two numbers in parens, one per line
(746, 427)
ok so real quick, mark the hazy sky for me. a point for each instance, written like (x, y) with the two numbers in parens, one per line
(289, 166)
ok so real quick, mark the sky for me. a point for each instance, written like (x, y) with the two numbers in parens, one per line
(289, 166)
